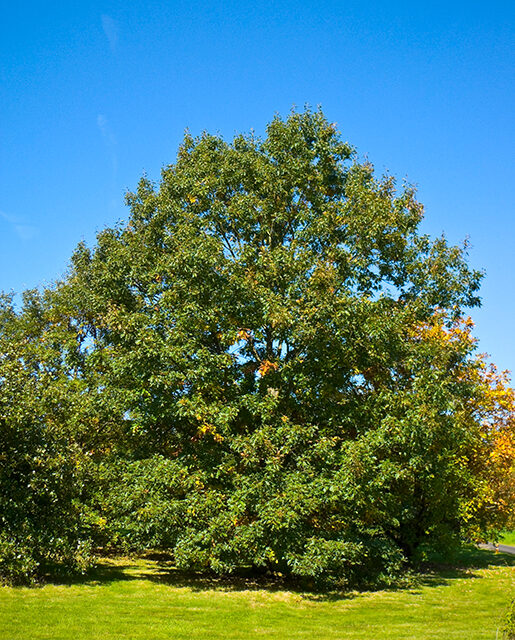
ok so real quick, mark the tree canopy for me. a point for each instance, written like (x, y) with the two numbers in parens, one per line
(266, 366)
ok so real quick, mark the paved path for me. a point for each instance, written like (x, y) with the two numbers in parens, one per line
(503, 548)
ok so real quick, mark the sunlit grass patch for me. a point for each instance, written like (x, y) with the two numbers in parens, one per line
(148, 599)
(507, 537)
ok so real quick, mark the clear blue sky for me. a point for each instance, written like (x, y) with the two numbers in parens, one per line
(93, 94)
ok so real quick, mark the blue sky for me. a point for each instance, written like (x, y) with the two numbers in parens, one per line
(94, 94)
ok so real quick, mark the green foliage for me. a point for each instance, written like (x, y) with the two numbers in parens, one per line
(40, 469)
(143, 503)
(260, 368)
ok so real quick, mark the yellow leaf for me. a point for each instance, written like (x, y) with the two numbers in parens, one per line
(266, 366)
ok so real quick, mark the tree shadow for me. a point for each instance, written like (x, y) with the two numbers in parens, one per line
(158, 568)
(103, 573)
(465, 562)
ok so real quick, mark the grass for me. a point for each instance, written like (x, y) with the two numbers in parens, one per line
(508, 537)
(147, 599)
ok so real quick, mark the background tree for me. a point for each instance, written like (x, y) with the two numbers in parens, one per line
(42, 467)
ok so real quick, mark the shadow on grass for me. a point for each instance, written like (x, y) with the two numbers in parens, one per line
(158, 568)
(464, 563)
(103, 573)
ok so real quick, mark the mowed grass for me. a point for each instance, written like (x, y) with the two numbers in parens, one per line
(508, 537)
(133, 599)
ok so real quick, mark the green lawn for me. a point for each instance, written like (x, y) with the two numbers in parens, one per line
(508, 537)
(141, 599)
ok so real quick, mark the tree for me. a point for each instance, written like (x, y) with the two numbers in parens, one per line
(41, 465)
(274, 372)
